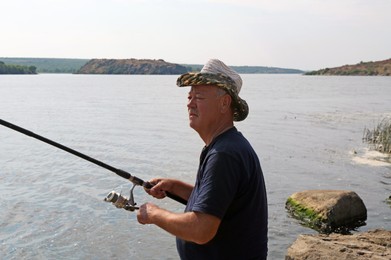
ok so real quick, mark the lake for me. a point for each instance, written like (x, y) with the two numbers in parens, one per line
(307, 131)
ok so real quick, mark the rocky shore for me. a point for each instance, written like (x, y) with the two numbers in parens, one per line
(334, 214)
(374, 244)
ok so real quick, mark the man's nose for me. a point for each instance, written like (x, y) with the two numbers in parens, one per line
(190, 102)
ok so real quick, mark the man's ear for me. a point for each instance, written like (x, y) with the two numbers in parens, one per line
(226, 101)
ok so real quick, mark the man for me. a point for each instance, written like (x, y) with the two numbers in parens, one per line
(226, 211)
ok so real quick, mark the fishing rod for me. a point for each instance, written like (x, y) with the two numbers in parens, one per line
(117, 199)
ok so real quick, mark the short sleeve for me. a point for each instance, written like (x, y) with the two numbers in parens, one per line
(219, 184)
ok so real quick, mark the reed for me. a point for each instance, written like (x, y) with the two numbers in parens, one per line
(380, 137)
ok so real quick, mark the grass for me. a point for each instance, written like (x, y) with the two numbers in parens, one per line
(380, 137)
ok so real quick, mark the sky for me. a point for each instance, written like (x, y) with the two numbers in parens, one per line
(299, 34)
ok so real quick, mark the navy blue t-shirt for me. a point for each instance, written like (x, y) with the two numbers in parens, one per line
(230, 186)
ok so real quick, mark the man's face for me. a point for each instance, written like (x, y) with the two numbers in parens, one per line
(203, 107)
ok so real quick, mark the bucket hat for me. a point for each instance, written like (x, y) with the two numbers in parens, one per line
(216, 73)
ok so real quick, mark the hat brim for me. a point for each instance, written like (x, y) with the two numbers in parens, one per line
(240, 106)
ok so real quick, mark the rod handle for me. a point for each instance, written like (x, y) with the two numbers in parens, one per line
(149, 185)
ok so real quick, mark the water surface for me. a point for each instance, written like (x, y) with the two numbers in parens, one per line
(306, 130)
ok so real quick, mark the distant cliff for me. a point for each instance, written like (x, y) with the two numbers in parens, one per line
(372, 68)
(131, 66)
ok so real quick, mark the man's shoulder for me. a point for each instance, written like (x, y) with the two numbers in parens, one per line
(232, 139)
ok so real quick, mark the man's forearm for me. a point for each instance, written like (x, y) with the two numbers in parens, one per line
(190, 226)
(182, 189)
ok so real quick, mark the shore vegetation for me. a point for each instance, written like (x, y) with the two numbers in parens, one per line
(379, 137)
(16, 69)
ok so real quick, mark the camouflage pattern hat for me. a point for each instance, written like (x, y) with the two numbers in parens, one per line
(216, 73)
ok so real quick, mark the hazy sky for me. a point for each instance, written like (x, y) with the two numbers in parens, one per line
(302, 34)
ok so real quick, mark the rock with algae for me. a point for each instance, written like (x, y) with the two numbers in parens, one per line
(328, 210)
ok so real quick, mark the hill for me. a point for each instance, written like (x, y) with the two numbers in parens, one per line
(48, 65)
(59, 65)
(144, 66)
(131, 66)
(377, 68)
(250, 69)
(265, 70)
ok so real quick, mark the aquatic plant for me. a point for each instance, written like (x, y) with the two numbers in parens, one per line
(380, 137)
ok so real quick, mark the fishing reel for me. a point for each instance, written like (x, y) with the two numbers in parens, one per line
(121, 201)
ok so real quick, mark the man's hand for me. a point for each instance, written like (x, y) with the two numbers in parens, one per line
(145, 212)
(160, 186)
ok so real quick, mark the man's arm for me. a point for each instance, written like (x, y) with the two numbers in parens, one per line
(195, 227)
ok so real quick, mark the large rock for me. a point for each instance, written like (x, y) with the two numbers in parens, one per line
(328, 210)
(367, 245)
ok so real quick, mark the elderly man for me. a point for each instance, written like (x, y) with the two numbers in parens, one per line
(226, 211)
